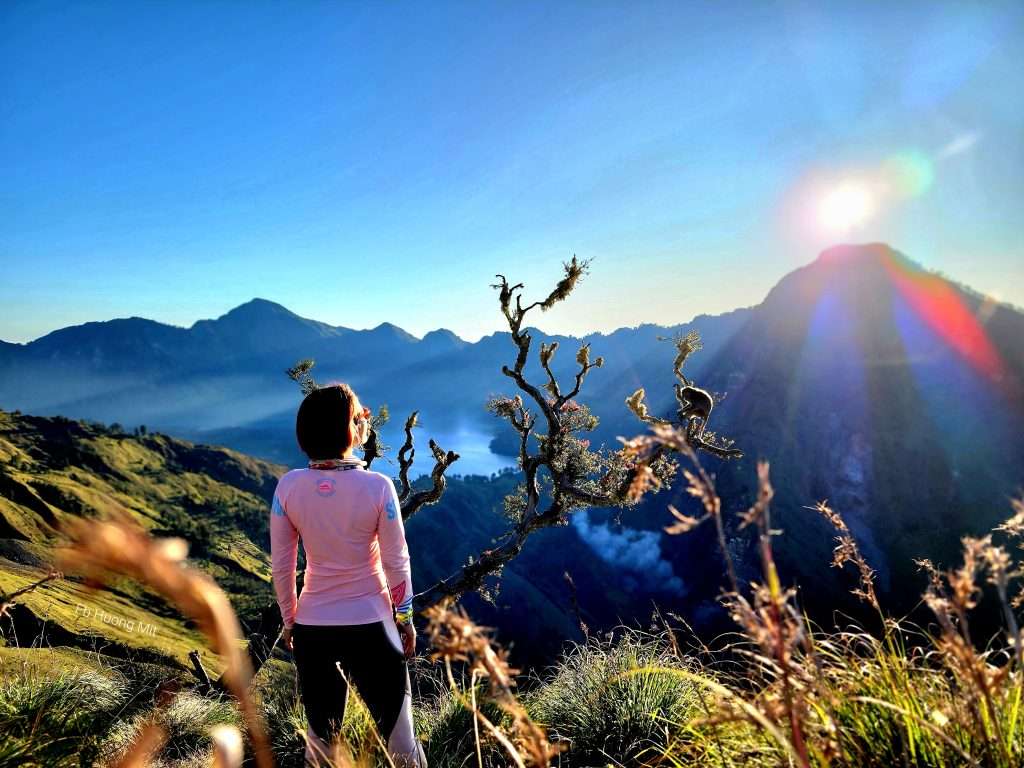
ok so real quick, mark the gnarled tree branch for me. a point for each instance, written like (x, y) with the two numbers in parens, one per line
(564, 457)
(578, 477)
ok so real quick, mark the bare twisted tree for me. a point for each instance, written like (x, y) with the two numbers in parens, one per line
(374, 449)
(561, 474)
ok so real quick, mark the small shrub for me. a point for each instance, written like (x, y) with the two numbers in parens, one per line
(187, 719)
(591, 701)
(446, 726)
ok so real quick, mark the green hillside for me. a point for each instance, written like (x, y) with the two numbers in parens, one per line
(215, 498)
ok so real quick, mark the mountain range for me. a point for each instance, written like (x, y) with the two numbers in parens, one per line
(222, 381)
(892, 392)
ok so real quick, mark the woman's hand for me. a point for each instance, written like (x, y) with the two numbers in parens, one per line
(286, 638)
(408, 634)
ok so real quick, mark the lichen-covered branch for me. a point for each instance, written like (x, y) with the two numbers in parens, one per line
(694, 404)
(583, 360)
(547, 351)
(649, 448)
(563, 456)
(300, 373)
(442, 460)
(406, 456)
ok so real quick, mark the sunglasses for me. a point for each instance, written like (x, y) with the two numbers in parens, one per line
(363, 416)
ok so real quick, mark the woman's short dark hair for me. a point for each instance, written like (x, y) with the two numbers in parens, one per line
(322, 423)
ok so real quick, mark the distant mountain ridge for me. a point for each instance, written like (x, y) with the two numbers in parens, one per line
(223, 380)
(892, 392)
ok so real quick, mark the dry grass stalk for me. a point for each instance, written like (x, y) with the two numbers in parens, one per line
(645, 449)
(987, 688)
(770, 619)
(1014, 526)
(773, 621)
(455, 637)
(847, 551)
(228, 750)
(119, 546)
(321, 754)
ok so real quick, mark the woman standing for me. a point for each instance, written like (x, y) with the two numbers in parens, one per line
(353, 621)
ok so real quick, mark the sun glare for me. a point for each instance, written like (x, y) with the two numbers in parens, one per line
(845, 207)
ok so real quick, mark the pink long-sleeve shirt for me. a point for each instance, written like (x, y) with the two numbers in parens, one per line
(350, 522)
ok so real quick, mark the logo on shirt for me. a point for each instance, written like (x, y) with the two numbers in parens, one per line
(276, 507)
(398, 593)
(392, 509)
(325, 487)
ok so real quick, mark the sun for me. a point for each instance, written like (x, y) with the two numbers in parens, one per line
(845, 207)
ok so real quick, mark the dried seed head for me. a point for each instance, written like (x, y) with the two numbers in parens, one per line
(119, 546)
(684, 523)
(847, 551)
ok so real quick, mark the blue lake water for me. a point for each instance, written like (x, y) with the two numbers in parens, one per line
(470, 441)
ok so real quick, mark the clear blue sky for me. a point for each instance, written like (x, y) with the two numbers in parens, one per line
(363, 162)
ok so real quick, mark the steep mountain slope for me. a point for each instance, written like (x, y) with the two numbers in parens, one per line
(893, 393)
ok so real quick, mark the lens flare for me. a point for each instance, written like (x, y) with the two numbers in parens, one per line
(845, 207)
(937, 303)
(907, 175)
(825, 204)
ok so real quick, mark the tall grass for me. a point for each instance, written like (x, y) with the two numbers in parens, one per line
(187, 719)
(806, 697)
(445, 722)
(785, 692)
(56, 720)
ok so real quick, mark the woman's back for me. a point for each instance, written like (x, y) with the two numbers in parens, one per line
(347, 625)
(354, 540)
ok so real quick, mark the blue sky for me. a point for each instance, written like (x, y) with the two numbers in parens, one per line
(370, 162)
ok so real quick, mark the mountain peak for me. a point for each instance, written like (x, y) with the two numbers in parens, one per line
(441, 333)
(257, 301)
(855, 252)
(443, 338)
(392, 330)
(263, 322)
(258, 306)
(861, 254)
(856, 269)
(255, 310)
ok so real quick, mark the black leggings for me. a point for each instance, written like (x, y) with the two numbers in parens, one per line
(368, 658)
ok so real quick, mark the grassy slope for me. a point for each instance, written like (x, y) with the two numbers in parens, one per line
(53, 468)
(868, 703)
